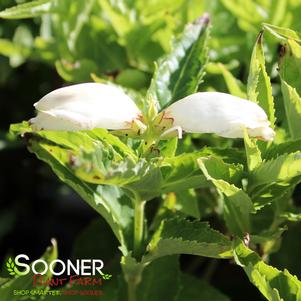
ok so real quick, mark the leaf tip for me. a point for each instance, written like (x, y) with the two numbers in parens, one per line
(260, 37)
(204, 19)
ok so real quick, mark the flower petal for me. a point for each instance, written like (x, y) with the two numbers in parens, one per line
(84, 107)
(220, 113)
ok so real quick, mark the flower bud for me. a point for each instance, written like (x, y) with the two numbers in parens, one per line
(85, 107)
(222, 114)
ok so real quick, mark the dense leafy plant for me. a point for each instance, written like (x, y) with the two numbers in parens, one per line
(248, 191)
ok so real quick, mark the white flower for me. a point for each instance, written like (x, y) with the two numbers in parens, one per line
(220, 113)
(85, 107)
(92, 105)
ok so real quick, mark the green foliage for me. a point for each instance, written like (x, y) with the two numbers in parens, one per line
(187, 202)
(156, 282)
(179, 287)
(133, 35)
(234, 86)
(292, 104)
(180, 72)
(275, 285)
(252, 152)
(290, 63)
(282, 33)
(282, 169)
(259, 83)
(55, 149)
(274, 179)
(28, 10)
(237, 204)
(283, 148)
(246, 192)
(183, 237)
(181, 172)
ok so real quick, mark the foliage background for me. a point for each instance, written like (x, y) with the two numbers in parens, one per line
(35, 206)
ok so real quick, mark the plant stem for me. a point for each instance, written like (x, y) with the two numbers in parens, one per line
(132, 291)
(134, 279)
(138, 227)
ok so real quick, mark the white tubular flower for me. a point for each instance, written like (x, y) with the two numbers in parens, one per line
(85, 107)
(222, 114)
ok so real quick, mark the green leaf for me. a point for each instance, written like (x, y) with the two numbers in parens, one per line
(245, 10)
(281, 169)
(156, 281)
(26, 281)
(133, 79)
(96, 161)
(118, 17)
(290, 64)
(182, 172)
(176, 236)
(106, 200)
(8, 48)
(180, 72)
(234, 85)
(266, 237)
(237, 204)
(292, 104)
(82, 17)
(3, 281)
(220, 170)
(252, 151)
(28, 10)
(284, 148)
(55, 149)
(103, 159)
(275, 285)
(292, 216)
(271, 193)
(282, 33)
(105, 166)
(148, 184)
(187, 202)
(119, 146)
(81, 73)
(278, 11)
(259, 83)
(60, 151)
(169, 147)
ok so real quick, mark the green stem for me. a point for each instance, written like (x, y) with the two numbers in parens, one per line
(132, 291)
(138, 227)
(134, 278)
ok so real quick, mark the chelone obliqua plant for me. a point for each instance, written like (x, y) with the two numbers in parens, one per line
(121, 150)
